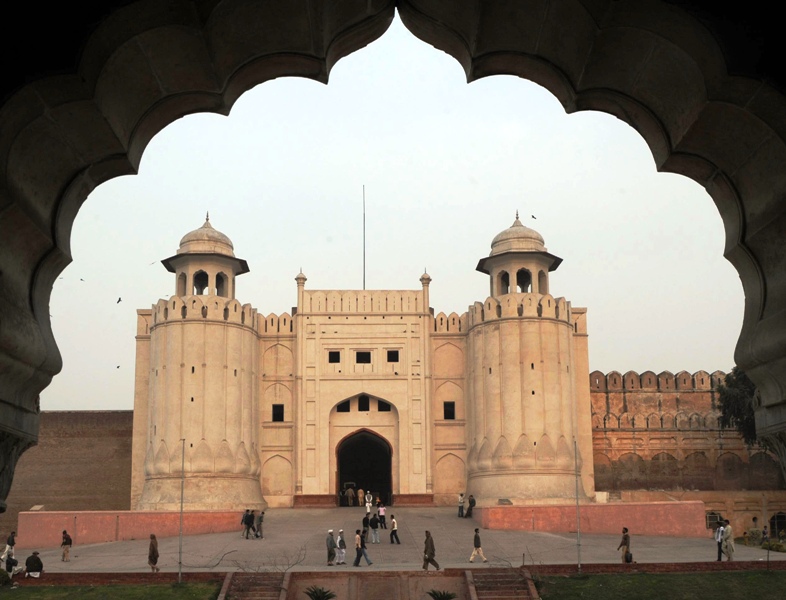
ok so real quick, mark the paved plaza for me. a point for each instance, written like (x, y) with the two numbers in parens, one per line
(290, 532)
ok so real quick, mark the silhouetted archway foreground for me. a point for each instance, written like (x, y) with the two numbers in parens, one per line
(649, 63)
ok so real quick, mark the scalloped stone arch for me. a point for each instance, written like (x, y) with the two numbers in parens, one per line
(649, 63)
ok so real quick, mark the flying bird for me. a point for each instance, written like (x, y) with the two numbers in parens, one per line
(119, 300)
(117, 367)
(80, 279)
(534, 217)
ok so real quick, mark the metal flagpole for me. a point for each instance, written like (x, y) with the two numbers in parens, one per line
(578, 513)
(364, 237)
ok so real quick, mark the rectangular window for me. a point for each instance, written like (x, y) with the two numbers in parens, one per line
(363, 358)
(363, 403)
(334, 356)
(449, 411)
(392, 356)
(383, 406)
(278, 413)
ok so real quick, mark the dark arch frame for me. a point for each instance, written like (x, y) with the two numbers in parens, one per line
(653, 65)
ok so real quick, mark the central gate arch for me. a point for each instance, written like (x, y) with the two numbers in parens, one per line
(365, 459)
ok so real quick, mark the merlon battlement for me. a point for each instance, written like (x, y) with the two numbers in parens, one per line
(202, 308)
(520, 305)
(648, 380)
(452, 323)
(363, 301)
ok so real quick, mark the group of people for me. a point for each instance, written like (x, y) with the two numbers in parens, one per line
(337, 546)
(33, 564)
(360, 498)
(471, 504)
(252, 524)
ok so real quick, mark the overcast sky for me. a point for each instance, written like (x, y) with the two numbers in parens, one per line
(446, 165)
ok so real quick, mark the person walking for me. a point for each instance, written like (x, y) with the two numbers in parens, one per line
(461, 505)
(350, 494)
(361, 496)
(258, 524)
(394, 529)
(366, 526)
(9, 545)
(381, 511)
(374, 529)
(65, 546)
(728, 540)
(369, 500)
(719, 539)
(152, 554)
(429, 552)
(471, 502)
(243, 523)
(477, 550)
(360, 550)
(330, 542)
(624, 546)
(341, 551)
(248, 523)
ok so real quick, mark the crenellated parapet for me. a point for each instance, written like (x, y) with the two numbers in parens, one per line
(275, 325)
(614, 381)
(451, 324)
(203, 308)
(363, 301)
(528, 305)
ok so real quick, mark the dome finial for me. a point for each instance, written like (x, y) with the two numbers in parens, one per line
(517, 215)
(207, 216)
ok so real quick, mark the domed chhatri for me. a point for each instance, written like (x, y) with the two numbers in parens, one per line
(517, 238)
(206, 240)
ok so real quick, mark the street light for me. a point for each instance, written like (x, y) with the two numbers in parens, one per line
(182, 490)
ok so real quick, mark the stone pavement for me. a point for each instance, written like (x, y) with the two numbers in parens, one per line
(290, 532)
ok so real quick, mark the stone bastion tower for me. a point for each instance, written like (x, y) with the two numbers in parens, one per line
(196, 386)
(529, 412)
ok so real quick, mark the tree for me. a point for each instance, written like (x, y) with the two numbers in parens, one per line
(735, 396)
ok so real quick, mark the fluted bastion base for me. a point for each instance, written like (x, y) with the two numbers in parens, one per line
(202, 493)
(524, 487)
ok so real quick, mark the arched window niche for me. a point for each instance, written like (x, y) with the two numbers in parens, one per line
(200, 283)
(524, 281)
(221, 285)
(543, 283)
(503, 285)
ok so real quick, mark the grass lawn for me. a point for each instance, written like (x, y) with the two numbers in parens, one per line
(185, 591)
(762, 585)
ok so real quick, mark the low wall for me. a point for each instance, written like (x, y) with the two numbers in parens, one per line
(380, 584)
(44, 529)
(679, 519)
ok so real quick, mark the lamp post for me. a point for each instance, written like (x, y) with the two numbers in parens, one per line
(182, 490)
(578, 511)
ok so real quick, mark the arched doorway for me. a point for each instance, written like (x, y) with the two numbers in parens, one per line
(365, 459)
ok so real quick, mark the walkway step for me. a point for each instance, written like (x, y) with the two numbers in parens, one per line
(500, 584)
(255, 586)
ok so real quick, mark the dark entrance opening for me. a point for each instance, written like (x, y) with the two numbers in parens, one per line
(365, 460)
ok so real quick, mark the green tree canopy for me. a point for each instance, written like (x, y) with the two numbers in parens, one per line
(735, 396)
